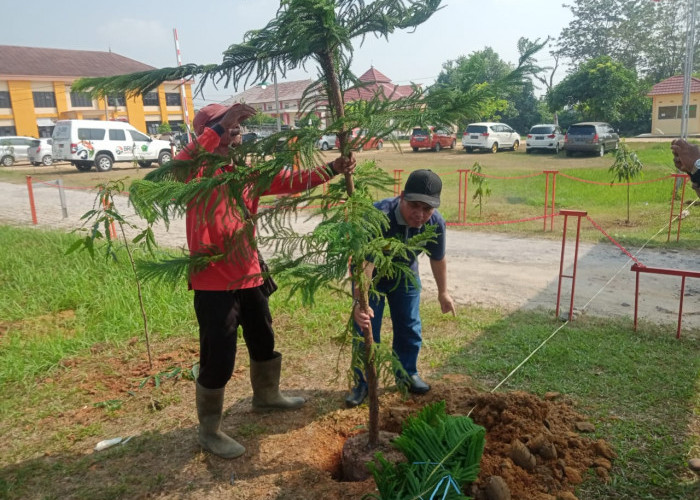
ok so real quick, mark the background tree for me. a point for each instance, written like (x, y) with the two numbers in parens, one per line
(543, 74)
(645, 36)
(484, 87)
(600, 90)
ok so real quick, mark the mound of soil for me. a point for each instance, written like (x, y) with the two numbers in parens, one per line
(536, 449)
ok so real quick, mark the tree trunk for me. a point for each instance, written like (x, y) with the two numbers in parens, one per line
(337, 108)
(336, 104)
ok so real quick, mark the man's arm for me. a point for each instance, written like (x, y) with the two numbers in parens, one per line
(439, 268)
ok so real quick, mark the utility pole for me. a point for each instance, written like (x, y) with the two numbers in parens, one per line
(183, 94)
(688, 70)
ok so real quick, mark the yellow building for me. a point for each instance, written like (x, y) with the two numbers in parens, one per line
(667, 107)
(35, 91)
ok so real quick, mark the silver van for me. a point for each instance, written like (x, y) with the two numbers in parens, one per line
(591, 137)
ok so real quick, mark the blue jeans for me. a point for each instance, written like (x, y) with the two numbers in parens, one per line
(404, 302)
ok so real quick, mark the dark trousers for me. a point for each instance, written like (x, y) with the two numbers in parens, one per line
(219, 314)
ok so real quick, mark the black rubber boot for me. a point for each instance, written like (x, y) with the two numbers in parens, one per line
(413, 383)
(210, 405)
(357, 395)
(265, 379)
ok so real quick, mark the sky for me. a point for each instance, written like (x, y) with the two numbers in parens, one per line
(143, 30)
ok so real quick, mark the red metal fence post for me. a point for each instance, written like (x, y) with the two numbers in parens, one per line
(397, 181)
(32, 207)
(638, 268)
(546, 197)
(463, 195)
(566, 214)
(112, 230)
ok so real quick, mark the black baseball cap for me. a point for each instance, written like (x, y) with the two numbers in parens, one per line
(423, 185)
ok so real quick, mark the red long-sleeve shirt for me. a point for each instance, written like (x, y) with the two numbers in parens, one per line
(211, 223)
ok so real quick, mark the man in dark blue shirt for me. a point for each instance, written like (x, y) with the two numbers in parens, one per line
(408, 214)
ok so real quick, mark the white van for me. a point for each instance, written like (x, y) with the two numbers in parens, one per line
(85, 143)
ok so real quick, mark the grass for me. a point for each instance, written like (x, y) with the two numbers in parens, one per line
(583, 183)
(641, 389)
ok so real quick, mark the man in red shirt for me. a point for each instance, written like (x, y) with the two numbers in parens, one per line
(227, 291)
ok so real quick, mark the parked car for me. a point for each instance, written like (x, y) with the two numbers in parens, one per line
(40, 152)
(490, 136)
(14, 148)
(99, 143)
(327, 142)
(432, 138)
(591, 137)
(545, 137)
(249, 137)
(358, 138)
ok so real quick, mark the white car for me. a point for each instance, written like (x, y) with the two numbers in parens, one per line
(100, 143)
(490, 136)
(545, 137)
(14, 148)
(326, 142)
(40, 152)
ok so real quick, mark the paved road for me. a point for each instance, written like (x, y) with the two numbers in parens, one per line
(484, 268)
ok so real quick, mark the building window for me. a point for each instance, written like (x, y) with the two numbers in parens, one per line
(152, 127)
(116, 100)
(80, 100)
(7, 131)
(150, 99)
(44, 99)
(176, 125)
(172, 99)
(5, 99)
(676, 112)
(45, 131)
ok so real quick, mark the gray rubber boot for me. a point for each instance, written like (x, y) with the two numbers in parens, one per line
(210, 405)
(265, 379)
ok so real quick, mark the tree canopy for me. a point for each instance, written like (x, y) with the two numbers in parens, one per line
(601, 89)
(643, 35)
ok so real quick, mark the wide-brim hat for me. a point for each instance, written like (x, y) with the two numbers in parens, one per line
(208, 114)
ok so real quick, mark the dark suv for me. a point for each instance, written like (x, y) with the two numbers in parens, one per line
(591, 137)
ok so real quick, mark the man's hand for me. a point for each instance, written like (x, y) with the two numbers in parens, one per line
(361, 317)
(345, 165)
(446, 303)
(237, 114)
(684, 155)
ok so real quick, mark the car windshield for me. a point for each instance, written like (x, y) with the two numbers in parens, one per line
(476, 129)
(420, 132)
(581, 130)
(541, 130)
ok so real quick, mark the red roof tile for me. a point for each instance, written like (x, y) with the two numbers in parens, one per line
(34, 61)
(375, 82)
(674, 85)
